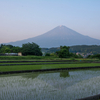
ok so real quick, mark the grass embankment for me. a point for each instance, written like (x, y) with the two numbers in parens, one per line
(37, 67)
(29, 58)
(38, 58)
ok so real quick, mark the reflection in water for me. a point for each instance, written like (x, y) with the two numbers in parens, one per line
(55, 85)
(63, 73)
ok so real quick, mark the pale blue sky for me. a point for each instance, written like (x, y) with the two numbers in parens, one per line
(22, 19)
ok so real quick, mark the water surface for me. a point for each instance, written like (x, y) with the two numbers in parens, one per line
(55, 85)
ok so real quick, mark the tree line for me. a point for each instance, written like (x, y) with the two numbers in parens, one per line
(94, 49)
(34, 49)
(26, 49)
(64, 53)
(61, 52)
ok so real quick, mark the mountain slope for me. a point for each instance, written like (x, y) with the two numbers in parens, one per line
(60, 35)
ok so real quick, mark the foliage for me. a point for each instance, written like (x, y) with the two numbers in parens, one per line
(26, 49)
(26, 58)
(31, 49)
(75, 56)
(53, 55)
(16, 49)
(94, 49)
(5, 49)
(47, 54)
(94, 56)
(9, 49)
(64, 52)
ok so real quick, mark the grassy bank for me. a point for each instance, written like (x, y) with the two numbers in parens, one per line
(34, 58)
(36, 67)
(29, 58)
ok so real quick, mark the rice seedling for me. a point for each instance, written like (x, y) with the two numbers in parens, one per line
(50, 85)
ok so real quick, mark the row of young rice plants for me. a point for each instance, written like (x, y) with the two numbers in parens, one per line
(47, 66)
(39, 62)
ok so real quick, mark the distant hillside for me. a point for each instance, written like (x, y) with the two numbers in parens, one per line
(58, 36)
(50, 50)
(94, 49)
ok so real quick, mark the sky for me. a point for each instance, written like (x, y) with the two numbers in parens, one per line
(22, 19)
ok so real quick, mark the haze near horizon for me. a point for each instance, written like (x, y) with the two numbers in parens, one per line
(22, 19)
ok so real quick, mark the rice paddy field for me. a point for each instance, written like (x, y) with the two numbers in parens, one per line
(52, 85)
(47, 66)
(21, 63)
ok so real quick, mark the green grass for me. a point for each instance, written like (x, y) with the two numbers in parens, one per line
(25, 57)
(30, 58)
(42, 63)
(47, 61)
(35, 62)
(79, 63)
(34, 67)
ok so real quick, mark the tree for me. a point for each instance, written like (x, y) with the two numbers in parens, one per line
(94, 56)
(31, 49)
(64, 52)
(47, 54)
(16, 49)
(9, 49)
(5, 49)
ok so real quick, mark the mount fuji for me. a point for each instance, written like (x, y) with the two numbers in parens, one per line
(61, 35)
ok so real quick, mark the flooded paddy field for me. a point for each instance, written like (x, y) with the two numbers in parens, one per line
(51, 85)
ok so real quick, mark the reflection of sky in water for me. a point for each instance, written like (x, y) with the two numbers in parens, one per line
(50, 86)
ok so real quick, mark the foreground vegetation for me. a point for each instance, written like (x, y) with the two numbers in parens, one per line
(33, 59)
(39, 58)
(47, 66)
(43, 62)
